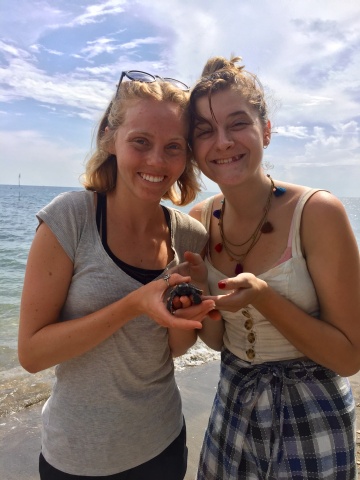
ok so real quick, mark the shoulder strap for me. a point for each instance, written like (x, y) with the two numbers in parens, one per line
(206, 212)
(296, 221)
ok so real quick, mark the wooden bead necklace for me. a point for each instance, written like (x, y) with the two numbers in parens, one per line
(264, 226)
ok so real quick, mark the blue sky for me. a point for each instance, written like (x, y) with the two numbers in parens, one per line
(60, 61)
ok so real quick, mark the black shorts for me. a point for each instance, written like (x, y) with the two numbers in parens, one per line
(170, 464)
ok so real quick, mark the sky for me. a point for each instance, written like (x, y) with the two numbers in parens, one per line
(60, 61)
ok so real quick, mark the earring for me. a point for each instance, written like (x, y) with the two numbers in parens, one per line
(265, 146)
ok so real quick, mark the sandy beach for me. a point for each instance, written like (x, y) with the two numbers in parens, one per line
(20, 431)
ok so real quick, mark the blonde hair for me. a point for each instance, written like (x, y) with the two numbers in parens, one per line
(220, 74)
(101, 168)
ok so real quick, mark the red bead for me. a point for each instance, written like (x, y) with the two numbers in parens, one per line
(218, 247)
(239, 269)
(267, 228)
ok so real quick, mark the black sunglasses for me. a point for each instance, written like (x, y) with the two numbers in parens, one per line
(138, 76)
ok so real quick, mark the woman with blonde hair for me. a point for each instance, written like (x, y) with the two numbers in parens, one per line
(93, 298)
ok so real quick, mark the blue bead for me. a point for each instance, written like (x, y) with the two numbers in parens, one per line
(279, 191)
(217, 213)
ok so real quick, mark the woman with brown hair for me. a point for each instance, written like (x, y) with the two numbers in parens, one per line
(283, 267)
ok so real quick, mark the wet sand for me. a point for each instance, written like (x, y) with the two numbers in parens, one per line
(20, 431)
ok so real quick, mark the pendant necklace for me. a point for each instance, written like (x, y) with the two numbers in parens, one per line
(264, 226)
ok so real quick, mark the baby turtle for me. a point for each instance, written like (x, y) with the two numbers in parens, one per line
(183, 289)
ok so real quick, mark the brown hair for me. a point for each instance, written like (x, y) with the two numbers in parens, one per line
(101, 168)
(220, 74)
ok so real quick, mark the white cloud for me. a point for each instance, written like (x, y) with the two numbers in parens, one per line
(37, 47)
(142, 41)
(25, 80)
(340, 148)
(40, 160)
(96, 12)
(99, 46)
(306, 54)
(291, 131)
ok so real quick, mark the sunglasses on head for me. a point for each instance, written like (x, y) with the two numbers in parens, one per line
(138, 76)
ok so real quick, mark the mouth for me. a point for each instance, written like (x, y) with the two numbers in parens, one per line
(152, 178)
(224, 161)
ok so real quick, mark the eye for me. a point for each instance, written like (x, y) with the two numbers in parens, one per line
(140, 141)
(238, 124)
(176, 147)
(203, 132)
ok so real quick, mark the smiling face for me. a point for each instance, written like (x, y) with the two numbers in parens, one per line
(229, 147)
(151, 149)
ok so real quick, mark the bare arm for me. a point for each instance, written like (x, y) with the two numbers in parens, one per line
(180, 340)
(43, 341)
(332, 258)
(212, 332)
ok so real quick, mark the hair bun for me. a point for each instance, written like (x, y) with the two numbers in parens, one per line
(215, 64)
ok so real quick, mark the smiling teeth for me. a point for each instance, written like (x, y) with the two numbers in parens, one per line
(151, 178)
(224, 160)
(227, 160)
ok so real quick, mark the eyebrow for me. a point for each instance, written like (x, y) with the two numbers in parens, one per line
(202, 121)
(148, 134)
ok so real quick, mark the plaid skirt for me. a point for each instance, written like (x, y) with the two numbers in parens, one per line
(279, 420)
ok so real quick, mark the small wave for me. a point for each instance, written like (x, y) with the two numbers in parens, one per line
(20, 389)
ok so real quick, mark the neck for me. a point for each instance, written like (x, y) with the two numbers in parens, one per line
(237, 249)
(136, 215)
(245, 200)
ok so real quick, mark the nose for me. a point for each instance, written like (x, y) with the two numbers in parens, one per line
(156, 156)
(224, 140)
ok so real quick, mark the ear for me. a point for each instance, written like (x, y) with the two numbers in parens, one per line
(111, 146)
(267, 134)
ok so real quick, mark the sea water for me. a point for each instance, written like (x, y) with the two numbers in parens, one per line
(18, 208)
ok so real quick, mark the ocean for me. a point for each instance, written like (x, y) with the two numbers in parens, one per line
(18, 206)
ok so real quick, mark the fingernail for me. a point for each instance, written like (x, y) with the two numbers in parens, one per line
(222, 284)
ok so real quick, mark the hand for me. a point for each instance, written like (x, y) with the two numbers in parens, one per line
(245, 288)
(189, 310)
(151, 301)
(195, 267)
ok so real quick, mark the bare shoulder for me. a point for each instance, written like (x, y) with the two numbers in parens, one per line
(320, 202)
(326, 223)
(324, 206)
(196, 210)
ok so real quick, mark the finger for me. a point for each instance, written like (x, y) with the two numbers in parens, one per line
(185, 301)
(193, 258)
(183, 269)
(225, 284)
(243, 280)
(196, 312)
(172, 279)
(215, 298)
(181, 302)
(228, 302)
(176, 303)
(183, 323)
(176, 278)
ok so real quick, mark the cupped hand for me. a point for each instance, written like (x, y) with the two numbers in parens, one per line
(151, 298)
(189, 310)
(244, 289)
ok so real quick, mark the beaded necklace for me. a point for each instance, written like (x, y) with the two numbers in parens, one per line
(264, 226)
